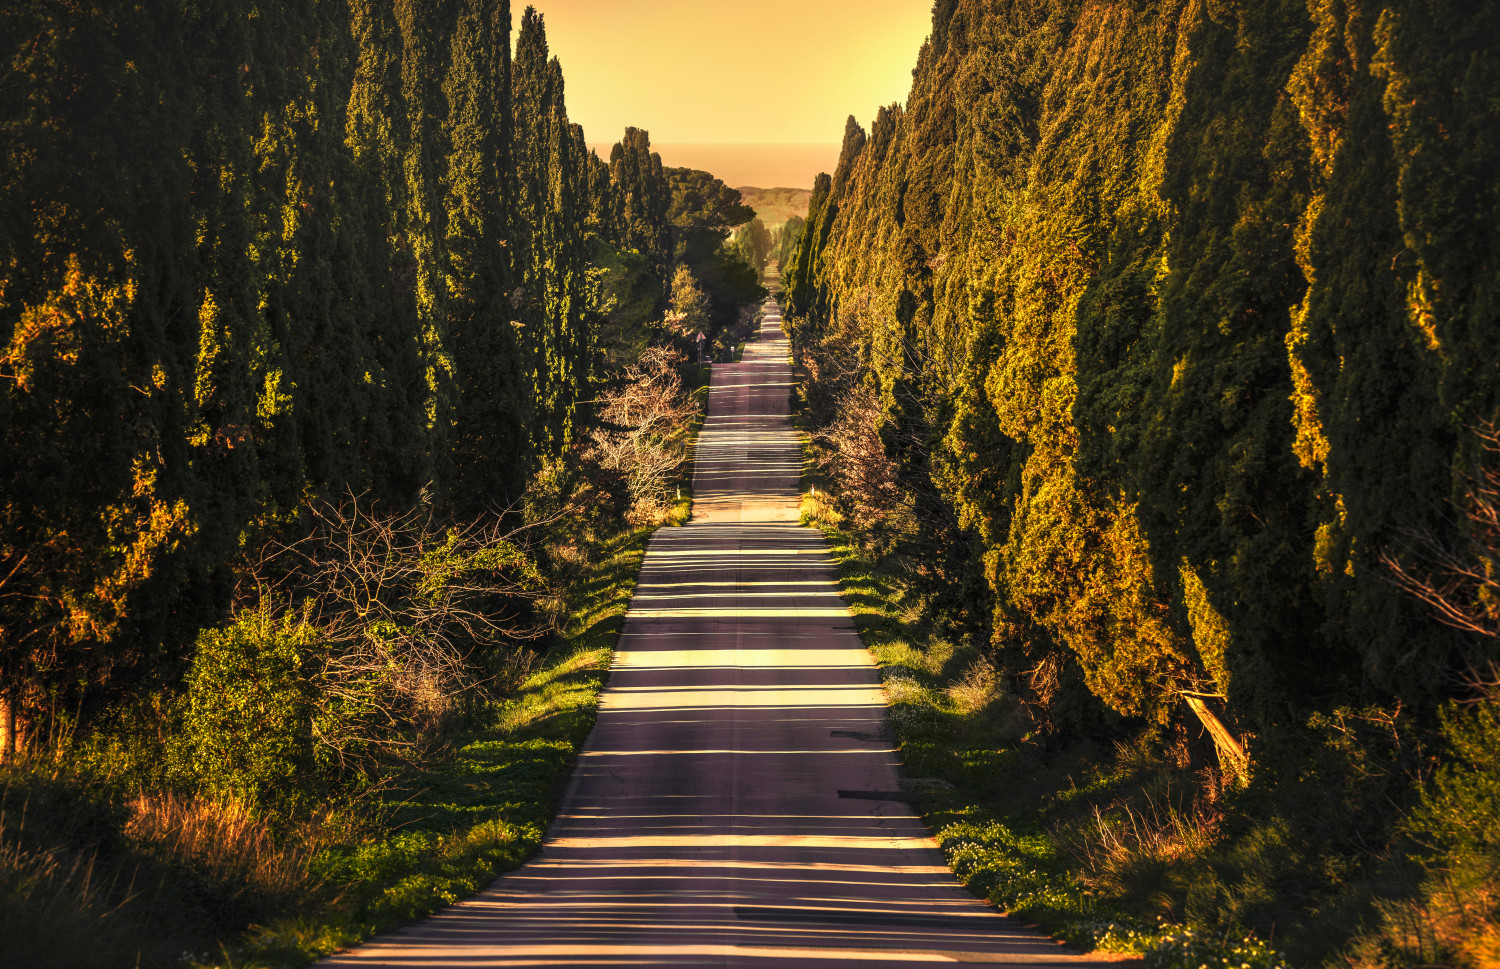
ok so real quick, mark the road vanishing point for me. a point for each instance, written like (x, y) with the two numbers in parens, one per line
(738, 802)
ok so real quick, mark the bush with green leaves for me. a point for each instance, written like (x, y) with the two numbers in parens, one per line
(1455, 919)
(252, 729)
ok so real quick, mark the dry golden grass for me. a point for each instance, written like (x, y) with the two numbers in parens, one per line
(1131, 846)
(1467, 922)
(1456, 923)
(980, 686)
(225, 844)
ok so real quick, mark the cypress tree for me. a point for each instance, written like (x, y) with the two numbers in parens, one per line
(491, 446)
(423, 28)
(643, 200)
(552, 212)
(531, 107)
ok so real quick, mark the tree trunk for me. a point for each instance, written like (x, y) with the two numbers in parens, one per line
(7, 730)
(1232, 756)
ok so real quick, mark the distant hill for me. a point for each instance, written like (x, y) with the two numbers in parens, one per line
(776, 205)
(746, 164)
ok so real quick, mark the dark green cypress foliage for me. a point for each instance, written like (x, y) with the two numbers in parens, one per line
(250, 306)
(1071, 262)
(1204, 388)
(566, 230)
(532, 110)
(236, 449)
(95, 235)
(1392, 349)
(604, 223)
(423, 27)
(559, 267)
(393, 382)
(629, 213)
(308, 344)
(799, 274)
(491, 446)
(253, 255)
(788, 238)
(643, 200)
(808, 287)
(552, 231)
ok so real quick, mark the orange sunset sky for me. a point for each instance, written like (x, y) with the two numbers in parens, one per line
(696, 73)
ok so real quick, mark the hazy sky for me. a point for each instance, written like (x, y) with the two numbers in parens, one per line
(695, 71)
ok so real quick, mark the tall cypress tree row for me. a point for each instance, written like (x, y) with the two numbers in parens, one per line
(394, 452)
(552, 209)
(255, 256)
(567, 221)
(421, 222)
(1185, 314)
(800, 275)
(93, 361)
(1163, 305)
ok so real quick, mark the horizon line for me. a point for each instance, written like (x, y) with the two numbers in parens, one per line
(731, 144)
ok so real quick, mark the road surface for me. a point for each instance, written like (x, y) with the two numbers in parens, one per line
(732, 806)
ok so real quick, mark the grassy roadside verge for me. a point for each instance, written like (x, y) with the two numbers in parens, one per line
(480, 812)
(1001, 815)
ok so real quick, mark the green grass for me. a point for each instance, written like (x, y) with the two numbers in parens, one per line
(696, 376)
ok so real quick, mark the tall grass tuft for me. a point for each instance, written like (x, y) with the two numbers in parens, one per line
(65, 877)
(227, 847)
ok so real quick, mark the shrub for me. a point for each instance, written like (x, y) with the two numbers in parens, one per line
(1455, 920)
(355, 649)
(253, 730)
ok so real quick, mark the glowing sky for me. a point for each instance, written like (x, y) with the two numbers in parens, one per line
(709, 71)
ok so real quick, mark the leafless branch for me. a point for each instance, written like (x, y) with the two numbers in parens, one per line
(1460, 580)
(401, 604)
(641, 435)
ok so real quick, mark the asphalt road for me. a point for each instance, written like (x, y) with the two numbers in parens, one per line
(733, 805)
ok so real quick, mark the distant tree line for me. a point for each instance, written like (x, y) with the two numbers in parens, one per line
(754, 242)
(257, 256)
(786, 239)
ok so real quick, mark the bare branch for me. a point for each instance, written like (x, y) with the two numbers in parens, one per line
(405, 607)
(1460, 580)
(642, 432)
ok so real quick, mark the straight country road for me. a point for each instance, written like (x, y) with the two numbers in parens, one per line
(731, 807)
